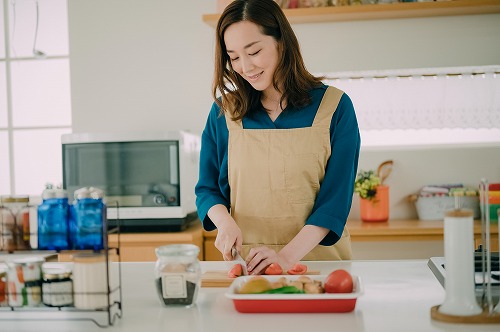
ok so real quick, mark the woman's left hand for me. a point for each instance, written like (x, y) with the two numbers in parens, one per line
(260, 258)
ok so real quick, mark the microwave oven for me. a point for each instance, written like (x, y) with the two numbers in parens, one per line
(148, 179)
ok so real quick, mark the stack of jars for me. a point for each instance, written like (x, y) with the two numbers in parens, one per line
(32, 282)
(80, 225)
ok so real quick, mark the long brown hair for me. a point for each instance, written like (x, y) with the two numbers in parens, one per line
(291, 77)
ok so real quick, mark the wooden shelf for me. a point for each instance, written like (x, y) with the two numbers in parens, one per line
(406, 230)
(383, 11)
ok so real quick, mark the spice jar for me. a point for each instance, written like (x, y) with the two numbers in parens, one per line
(24, 277)
(15, 220)
(90, 281)
(57, 286)
(177, 274)
(7, 229)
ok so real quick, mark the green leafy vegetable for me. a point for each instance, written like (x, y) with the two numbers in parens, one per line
(284, 290)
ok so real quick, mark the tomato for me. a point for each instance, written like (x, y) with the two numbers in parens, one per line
(297, 269)
(339, 281)
(236, 271)
(274, 268)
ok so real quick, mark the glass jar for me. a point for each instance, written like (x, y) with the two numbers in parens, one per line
(15, 220)
(3, 286)
(7, 228)
(24, 277)
(53, 220)
(177, 274)
(57, 285)
(87, 220)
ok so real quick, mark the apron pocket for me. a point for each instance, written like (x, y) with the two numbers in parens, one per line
(302, 177)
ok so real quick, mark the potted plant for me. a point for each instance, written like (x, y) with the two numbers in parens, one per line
(373, 194)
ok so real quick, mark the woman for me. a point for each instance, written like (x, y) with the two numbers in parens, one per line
(280, 149)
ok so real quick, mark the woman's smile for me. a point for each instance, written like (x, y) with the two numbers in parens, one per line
(254, 77)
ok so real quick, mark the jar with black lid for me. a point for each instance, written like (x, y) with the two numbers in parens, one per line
(57, 285)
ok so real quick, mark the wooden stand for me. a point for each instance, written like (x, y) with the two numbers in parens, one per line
(483, 318)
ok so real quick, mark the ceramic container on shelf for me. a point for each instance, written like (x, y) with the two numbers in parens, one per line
(90, 281)
(377, 208)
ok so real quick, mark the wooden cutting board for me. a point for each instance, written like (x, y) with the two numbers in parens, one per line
(220, 278)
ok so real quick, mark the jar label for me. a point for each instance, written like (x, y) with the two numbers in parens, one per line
(174, 286)
(58, 293)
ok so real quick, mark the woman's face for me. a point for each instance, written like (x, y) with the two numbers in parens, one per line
(253, 55)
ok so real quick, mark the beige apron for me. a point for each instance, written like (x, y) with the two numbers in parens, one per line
(275, 175)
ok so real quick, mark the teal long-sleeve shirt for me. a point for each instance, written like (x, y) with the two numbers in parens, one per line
(334, 199)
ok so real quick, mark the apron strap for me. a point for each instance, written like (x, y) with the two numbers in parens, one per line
(323, 117)
(327, 107)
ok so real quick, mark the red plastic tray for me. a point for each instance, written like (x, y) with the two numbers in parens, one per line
(293, 303)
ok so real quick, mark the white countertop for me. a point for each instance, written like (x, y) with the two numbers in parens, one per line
(398, 296)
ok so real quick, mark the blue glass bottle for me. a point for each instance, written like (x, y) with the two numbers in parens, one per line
(87, 220)
(53, 220)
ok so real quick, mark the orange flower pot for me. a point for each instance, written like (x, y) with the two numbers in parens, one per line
(377, 208)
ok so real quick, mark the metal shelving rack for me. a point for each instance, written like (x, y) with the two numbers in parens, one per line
(101, 317)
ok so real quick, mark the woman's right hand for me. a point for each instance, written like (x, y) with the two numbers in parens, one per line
(228, 236)
(228, 233)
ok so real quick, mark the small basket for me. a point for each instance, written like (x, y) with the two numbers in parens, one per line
(434, 207)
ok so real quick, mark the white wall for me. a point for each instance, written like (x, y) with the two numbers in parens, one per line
(140, 64)
(147, 65)
(401, 43)
(414, 168)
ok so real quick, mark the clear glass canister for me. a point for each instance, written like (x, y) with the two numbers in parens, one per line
(178, 274)
(15, 220)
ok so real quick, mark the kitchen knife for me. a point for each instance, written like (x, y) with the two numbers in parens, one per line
(238, 259)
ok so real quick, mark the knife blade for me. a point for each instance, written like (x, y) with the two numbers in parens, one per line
(237, 258)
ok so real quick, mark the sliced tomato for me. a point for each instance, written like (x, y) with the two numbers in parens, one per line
(274, 269)
(298, 269)
(236, 271)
